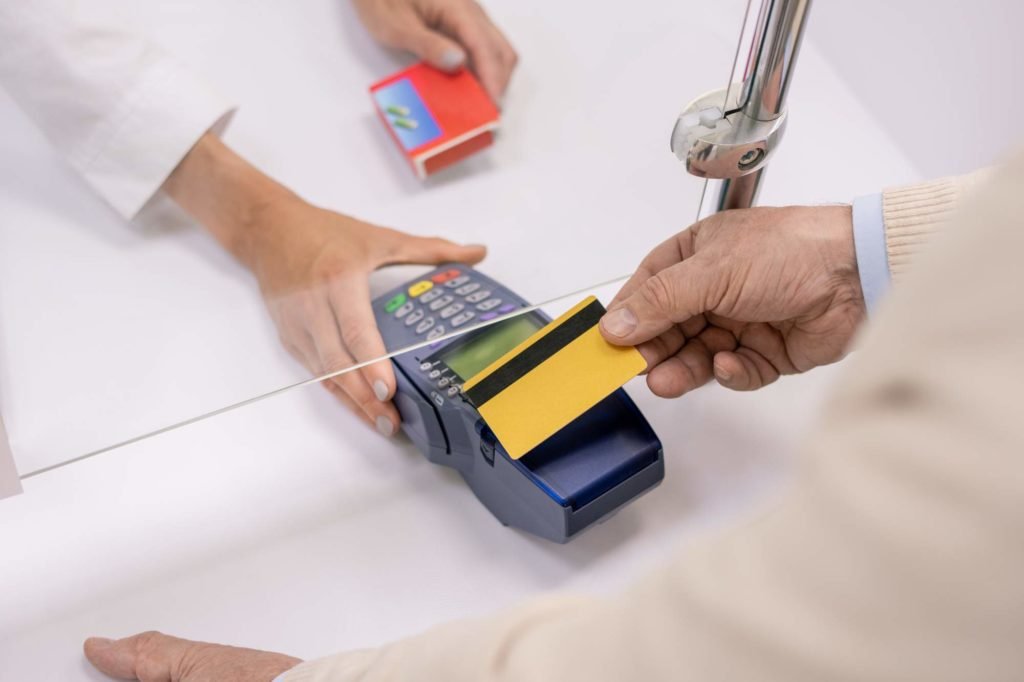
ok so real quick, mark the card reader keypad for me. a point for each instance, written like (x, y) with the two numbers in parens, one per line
(449, 298)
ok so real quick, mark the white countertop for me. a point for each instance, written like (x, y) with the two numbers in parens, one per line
(288, 525)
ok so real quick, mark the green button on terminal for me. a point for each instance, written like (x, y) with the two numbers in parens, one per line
(393, 305)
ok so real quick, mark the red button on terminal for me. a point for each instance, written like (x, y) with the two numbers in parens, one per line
(445, 276)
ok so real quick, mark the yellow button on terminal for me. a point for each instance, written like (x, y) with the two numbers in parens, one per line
(420, 287)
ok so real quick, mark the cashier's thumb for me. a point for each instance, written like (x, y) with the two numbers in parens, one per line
(662, 300)
(435, 49)
(434, 250)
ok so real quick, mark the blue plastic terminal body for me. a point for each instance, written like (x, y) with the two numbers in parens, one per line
(600, 462)
(594, 453)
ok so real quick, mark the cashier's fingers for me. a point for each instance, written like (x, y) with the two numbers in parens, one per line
(491, 56)
(429, 45)
(346, 336)
(405, 248)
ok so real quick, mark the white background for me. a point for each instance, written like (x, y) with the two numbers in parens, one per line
(288, 525)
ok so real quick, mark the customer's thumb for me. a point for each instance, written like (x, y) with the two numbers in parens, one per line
(664, 299)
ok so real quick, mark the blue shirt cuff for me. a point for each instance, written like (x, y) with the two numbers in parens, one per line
(869, 244)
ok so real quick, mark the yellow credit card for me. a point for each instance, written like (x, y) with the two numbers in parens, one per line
(551, 378)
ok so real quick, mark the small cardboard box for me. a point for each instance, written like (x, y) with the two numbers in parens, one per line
(436, 118)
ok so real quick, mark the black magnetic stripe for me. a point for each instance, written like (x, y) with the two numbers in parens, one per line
(541, 350)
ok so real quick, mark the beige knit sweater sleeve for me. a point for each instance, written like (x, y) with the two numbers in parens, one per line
(913, 213)
(897, 553)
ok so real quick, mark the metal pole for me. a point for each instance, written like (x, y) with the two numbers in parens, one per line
(728, 136)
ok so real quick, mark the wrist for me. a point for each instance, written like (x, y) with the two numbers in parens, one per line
(226, 194)
(840, 253)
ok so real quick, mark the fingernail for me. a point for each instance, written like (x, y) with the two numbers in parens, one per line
(619, 322)
(101, 642)
(722, 373)
(452, 59)
(380, 389)
(385, 426)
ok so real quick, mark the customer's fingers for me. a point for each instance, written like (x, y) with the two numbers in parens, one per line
(667, 297)
(148, 656)
(691, 367)
(744, 370)
(661, 257)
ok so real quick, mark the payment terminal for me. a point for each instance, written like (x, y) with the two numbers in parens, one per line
(605, 458)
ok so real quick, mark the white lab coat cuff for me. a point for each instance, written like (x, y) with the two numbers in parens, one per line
(154, 126)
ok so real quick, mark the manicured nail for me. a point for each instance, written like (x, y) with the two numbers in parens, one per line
(722, 373)
(452, 59)
(619, 322)
(385, 426)
(380, 389)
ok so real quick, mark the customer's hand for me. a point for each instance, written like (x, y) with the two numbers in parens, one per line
(154, 657)
(313, 268)
(743, 296)
(448, 34)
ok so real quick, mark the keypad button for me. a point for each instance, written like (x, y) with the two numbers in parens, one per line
(435, 332)
(468, 288)
(445, 276)
(414, 317)
(462, 319)
(437, 398)
(488, 316)
(478, 296)
(441, 302)
(394, 304)
(421, 287)
(451, 310)
(489, 304)
(507, 308)
(425, 366)
(404, 309)
(453, 391)
(424, 326)
(457, 282)
(443, 381)
(434, 374)
(431, 295)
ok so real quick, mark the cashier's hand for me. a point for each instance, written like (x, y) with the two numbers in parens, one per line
(313, 268)
(743, 296)
(448, 34)
(154, 657)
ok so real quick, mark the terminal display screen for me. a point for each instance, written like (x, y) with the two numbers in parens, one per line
(469, 358)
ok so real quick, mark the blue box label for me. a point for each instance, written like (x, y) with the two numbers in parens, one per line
(407, 114)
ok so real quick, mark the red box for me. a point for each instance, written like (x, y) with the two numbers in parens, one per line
(436, 118)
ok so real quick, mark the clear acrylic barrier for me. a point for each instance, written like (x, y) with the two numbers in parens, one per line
(109, 332)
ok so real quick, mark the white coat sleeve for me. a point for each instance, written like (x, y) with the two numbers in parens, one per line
(121, 112)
